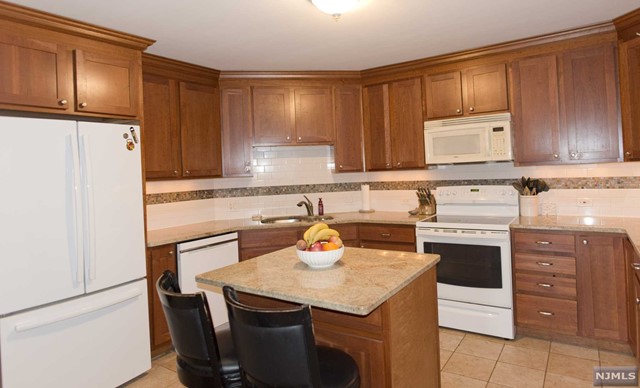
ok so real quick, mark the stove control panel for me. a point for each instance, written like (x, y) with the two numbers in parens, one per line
(477, 194)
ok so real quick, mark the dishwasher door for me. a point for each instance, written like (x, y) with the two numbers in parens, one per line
(207, 254)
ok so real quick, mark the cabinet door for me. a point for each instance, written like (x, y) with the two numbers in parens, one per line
(602, 310)
(161, 258)
(313, 115)
(200, 130)
(632, 306)
(107, 84)
(407, 126)
(630, 98)
(161, 132)
(591, 104)
(377, 136)
(272, 116)
(485, 89)
(35, 73)
(236, 131)
(536, 113)
(443, 95)
(348, 142)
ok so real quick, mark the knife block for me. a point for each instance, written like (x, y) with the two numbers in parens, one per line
(427, 208)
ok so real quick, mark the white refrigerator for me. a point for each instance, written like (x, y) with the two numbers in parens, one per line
(73, 294)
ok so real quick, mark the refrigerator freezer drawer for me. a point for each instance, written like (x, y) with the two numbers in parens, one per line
(100, 340)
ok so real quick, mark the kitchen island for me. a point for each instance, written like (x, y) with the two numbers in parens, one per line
(379, 306)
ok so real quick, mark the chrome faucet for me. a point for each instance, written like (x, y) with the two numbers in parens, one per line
(307, 204)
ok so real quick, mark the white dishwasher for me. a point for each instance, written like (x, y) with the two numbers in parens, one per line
(207, 254)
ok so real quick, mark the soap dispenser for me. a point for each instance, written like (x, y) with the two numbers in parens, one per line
(320, 207)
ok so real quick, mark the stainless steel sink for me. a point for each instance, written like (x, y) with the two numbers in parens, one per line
(292, 219)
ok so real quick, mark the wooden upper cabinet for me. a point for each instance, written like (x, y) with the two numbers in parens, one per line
(35, 73)
(591, 104)
(236, 131)
(565, 107)
(444, 95)
(630, 97)
(58, 66)
(485, 89)
(536, 110)
(377, 128)
(290, 116)
(313, 120)
(272, 119)
(348, 143)
(161, 135)
(181, 120)
(200, 130)
(407, 125)
(393, 125)
(470, 91)
(107, 83)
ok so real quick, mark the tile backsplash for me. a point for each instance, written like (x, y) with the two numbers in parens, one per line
(283, 174)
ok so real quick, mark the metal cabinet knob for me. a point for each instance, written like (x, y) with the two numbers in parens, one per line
(388, 165)
(627, 153)
(573, 155)
(340, 167)
(458, 110)
(398, 164)
(635, 266)
(556, 156)
(585, 242)
(638, 301)
(288, 137)
(471, 109)
(63, 102)
(247, 169)
(175, 172)
(170, 253)
(83, 105)
(187, 172)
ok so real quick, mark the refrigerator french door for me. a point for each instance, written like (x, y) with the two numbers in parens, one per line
(73, 258)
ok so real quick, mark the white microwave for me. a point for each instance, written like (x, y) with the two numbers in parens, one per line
(469, 139)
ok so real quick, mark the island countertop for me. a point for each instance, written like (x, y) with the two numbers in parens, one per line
(358, 283)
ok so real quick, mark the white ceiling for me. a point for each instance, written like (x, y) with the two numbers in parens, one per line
(294, 35)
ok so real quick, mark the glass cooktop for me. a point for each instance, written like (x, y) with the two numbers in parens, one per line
(462, 221)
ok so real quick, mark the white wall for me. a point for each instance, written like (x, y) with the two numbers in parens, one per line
(283, 166)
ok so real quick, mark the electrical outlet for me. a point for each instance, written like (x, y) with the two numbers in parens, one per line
(585, 202)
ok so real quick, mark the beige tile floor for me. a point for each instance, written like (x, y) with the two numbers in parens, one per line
(470, 360)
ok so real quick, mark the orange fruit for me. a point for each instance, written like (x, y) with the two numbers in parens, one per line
(329, 246)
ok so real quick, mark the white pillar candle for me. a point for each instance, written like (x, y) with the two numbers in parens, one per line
(366, 197)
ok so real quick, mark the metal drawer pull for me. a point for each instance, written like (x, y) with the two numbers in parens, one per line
(546, 313)
(544, 263)
(545, 285)
(385, 235)
(635, 266)
(543, 242)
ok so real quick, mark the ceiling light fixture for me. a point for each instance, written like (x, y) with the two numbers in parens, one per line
(335, 8)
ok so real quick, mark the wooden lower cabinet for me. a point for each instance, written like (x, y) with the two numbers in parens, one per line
(396, 345)
(159, 259)
(390, 237)
(571, 283)
(253, 243)
(632, 261)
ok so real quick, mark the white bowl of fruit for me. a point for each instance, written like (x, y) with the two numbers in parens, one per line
(321, 247)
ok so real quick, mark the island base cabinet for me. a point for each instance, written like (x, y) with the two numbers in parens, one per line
(396, 345)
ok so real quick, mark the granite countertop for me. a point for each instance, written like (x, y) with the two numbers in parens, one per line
(361, 281)
(212, 228)
(626, 225)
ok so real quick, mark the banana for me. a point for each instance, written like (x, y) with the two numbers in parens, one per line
(311, 232)
(324, 234)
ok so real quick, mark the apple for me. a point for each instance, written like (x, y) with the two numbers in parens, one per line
(316, 247)
(336, 240)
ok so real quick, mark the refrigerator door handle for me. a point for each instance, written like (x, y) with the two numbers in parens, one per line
(73, 165)
(90, 224)
(37, 323)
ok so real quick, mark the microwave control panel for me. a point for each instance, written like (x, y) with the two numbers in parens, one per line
(500, 144)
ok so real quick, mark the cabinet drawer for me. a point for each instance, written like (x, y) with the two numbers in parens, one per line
(347, 231)
(546, 285)
(545, 242)
(268, 237)
(547, 313)
(391, 233)
(545, 263)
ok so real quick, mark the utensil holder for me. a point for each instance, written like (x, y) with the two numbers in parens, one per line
(529, 205)
(427, 208)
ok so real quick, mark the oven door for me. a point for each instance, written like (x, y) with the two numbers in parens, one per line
(474, 267)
